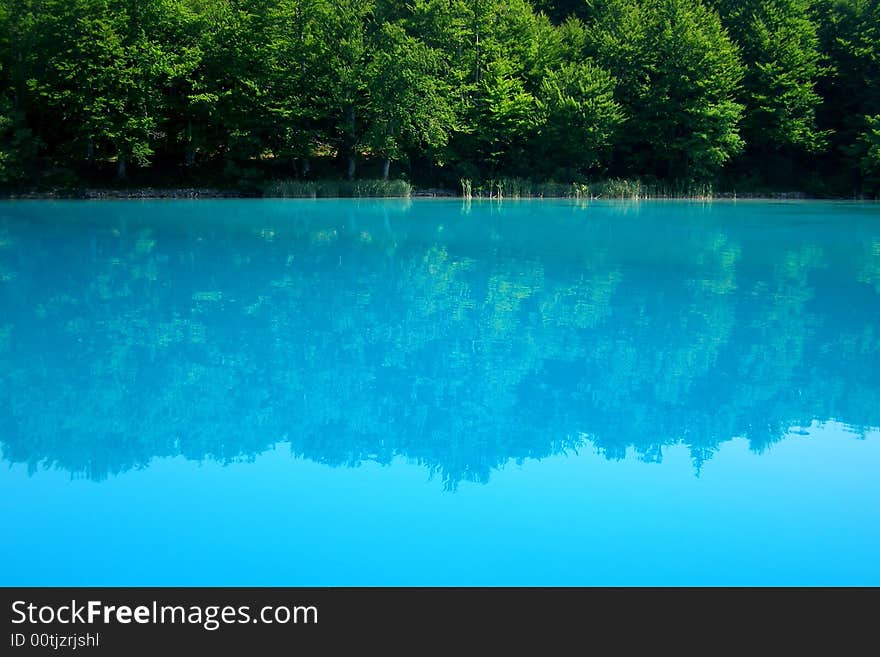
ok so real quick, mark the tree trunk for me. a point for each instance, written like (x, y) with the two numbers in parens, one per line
(386, 168)
(189, 157)
(350, 120)
(477, 34)
(307, 166)
(120, 168)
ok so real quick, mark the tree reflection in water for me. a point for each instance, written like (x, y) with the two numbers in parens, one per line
(460, 337)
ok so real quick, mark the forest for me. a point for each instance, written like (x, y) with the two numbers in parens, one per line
(747, 95)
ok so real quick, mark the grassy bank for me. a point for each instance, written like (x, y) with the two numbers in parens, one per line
(511, 188)
(495, 189)
(338, 189)
(614, 188)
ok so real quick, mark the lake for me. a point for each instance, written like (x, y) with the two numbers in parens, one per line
(262, 392)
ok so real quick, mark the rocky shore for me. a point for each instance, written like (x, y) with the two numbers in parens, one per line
(138, 193)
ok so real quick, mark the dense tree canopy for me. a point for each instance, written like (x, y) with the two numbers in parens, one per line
(780, 48)
(781, 93)
(850, 35)
(677, 72)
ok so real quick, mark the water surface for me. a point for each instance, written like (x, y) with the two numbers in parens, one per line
(438, 392)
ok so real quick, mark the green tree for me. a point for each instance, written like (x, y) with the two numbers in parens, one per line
(18, 147)
(850, 36)
(409, 103)
(581, 118)
(869, 145)
(296, 70)
(560, 10)
(240, 90)
(505, 51)
(176, 29)
(780, 47)
(345, 51)
(232, 90)
(678, 73)
(99, 71)
(507, 117)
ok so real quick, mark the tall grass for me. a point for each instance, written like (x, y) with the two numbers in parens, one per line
(501, 188)
(613, 188)
(338, 189)
(521, 188)
(622, 188)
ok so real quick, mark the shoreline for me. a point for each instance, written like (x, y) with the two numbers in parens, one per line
(196, 193)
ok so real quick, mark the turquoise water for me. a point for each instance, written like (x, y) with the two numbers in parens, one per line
(437, 392)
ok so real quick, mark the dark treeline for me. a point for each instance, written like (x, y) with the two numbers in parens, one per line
(744, 94)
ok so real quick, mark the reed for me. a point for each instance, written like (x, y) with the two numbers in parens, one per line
(338, 189)
(466, 188)
(522, 188)
(623, 188)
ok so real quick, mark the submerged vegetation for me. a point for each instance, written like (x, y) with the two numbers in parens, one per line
(493, 98)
